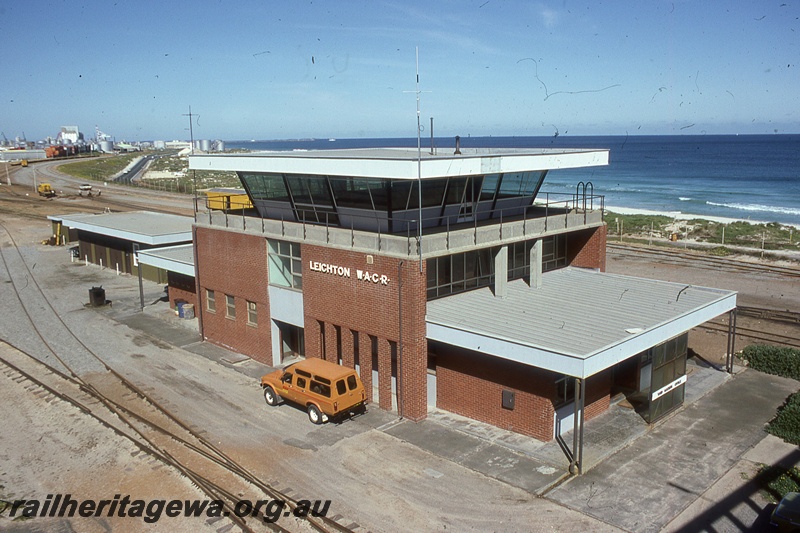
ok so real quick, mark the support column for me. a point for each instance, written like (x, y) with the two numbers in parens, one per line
(731, 350)
(347, 347)
(365, 362)
(501, 272)
(536, 265)
(384, 375)
(331, 342)
(576, 461)
(141, 287)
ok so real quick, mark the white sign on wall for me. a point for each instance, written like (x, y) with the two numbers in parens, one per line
(666, 388)
(345, 272)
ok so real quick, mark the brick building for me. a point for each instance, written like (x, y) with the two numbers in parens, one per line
(448, 281)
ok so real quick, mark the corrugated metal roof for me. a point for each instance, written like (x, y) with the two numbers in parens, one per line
(576, 312)
(138, 226)
(172, 258)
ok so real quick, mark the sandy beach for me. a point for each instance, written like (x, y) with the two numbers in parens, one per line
(678, 215)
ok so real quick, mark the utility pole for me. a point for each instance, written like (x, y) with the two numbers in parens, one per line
(194, 172)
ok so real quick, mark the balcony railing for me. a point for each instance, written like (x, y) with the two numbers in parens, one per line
(552, 213)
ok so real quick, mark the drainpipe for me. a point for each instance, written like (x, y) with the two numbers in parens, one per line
(400, 395)
(199, 307)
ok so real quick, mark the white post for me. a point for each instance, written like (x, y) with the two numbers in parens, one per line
(117, 269)
(86, 260)
(723, 234)
(763, 240)
(101, 264)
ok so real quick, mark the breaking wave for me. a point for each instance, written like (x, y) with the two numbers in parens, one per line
(759, 207)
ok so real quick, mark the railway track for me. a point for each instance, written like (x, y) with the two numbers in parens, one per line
(700, 260)
(754, 334)
(125, 197)
(72, 371)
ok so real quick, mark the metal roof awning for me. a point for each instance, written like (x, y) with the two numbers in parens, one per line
(578, 323)
(402, 163)
(178, 259)
(144, 227)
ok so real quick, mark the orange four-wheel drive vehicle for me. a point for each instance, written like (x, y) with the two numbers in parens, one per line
(326, 390)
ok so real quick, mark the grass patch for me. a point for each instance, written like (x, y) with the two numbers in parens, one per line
(104, 168)
(99, 169)
(776, 481)
(786, 424)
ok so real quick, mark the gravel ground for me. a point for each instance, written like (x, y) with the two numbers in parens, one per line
(48, 446)
(754, 289)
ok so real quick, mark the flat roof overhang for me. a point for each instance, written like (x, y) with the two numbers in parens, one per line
(178, 259)
(401, 163)
(144, 227)
(580, 322)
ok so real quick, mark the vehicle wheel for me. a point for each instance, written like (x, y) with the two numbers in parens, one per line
(270, 396)
(314, 415)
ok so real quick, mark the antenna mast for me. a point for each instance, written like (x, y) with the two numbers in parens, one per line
(419, 171)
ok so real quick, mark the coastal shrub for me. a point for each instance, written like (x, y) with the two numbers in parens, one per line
(776, 360)
(720, 251)
(786, 424)
(636, 223)
(776, 481)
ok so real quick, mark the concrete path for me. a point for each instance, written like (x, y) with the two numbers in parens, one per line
(736, 501)
(642, 487)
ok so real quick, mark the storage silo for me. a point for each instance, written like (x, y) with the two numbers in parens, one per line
(205, 145)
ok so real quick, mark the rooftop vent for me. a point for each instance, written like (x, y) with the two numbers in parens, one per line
(458, 146)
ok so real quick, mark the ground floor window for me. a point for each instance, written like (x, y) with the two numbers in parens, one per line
(252, 314)
(211, 302)
(230, 306)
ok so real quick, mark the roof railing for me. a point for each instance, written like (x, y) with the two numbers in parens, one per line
(442, 233)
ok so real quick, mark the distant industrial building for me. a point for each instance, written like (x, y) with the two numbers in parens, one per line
(69, 135)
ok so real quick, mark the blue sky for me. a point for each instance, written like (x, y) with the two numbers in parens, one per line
(295, 69)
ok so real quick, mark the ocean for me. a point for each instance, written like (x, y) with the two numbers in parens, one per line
(747, 177)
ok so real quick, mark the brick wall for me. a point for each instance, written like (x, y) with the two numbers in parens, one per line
(231, 263)
(340, 308)
(471, 384)
(587, 248)
(181, 287)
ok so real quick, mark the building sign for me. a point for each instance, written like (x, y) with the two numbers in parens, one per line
(666, 388)
(345, 272)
